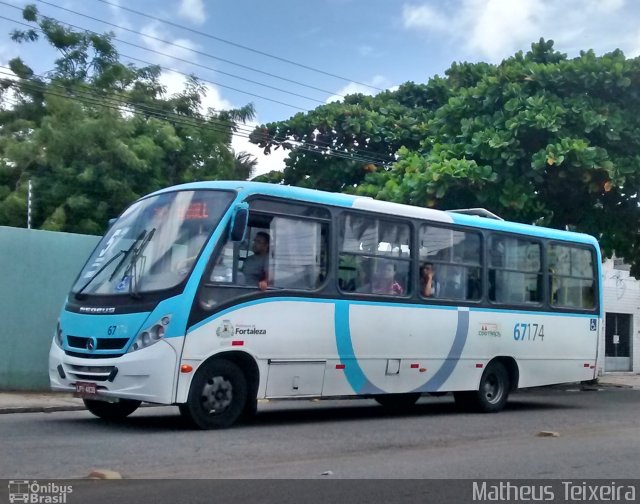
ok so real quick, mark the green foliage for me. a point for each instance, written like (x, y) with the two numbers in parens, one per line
(539, 138)
(95, 134)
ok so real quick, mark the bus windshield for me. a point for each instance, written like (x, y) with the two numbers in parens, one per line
(154, 244)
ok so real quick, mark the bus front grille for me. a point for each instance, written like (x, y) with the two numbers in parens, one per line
(93, 356)
(91, 373)
(100, 343)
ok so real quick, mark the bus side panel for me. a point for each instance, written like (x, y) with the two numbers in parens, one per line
(400, 348)
(547, 348)
(284, 336)
(396, 348)
(340, 348)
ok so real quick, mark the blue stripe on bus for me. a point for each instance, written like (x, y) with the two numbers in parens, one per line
(254, 302)
(355, 375)
(358, 379)
(447, 367)
(379, 303)
(535, 313)
(313, 300)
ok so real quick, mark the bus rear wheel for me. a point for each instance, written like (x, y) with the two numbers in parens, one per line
(397, 401)
(217, 396)
(492, 394)
(112, 410)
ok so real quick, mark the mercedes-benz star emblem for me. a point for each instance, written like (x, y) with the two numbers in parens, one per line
(91, 344)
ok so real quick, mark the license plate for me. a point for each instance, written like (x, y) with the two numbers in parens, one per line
(85, 389)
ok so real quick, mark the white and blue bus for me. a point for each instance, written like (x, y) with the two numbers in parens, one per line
(213, 295)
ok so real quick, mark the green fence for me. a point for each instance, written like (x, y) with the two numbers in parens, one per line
(37, 269)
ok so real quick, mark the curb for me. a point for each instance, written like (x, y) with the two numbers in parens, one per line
(39, 409)
(52, 409)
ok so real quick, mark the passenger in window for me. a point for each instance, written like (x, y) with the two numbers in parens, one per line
(430, 284)
(385, 281)
(255, 267)
(363, 282)
(474, 290)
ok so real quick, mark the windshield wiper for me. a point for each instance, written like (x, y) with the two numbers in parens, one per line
(78, 295)
(127, 253)
(132, 267)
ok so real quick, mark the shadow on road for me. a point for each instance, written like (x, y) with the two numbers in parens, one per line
(273, 413)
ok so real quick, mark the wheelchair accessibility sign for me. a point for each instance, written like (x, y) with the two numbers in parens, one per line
(594, 325)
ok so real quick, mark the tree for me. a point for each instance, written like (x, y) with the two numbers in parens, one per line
(245, 164)
(336, 145)
(539, 138)
(95, 134)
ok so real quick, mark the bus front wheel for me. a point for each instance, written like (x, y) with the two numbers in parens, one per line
(217, 396)
(111, 410)
(492, 394)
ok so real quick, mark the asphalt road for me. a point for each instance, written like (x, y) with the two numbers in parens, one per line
(599, 437)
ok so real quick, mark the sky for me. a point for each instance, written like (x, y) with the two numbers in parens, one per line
(290, 56)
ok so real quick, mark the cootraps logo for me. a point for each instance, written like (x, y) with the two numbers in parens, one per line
(227, 330)
(36, 493)
(489, 329)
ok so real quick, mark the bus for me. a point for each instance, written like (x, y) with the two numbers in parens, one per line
(213, 295)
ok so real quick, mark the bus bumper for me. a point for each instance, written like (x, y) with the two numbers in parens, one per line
(147, 375)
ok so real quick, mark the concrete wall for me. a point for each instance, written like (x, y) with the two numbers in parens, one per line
(37, 269)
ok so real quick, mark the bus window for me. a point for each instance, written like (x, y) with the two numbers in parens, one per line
(280, 252)
(515, 275)
(455, 257)
(374, 256)
(571, 277)
(297, 248)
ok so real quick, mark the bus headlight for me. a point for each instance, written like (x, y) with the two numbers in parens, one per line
(57, 337)
(151, 335)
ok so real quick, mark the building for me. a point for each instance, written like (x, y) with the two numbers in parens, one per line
(620, 340)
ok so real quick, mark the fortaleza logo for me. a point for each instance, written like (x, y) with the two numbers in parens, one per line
(38, 493)
(488, 329)
(227, 330)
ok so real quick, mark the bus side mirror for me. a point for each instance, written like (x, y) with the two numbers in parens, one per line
(239, 222)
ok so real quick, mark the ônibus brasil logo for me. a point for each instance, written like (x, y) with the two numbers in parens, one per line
(38, 493)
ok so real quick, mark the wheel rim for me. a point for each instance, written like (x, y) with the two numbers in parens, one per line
(217, 395)
(493, 388)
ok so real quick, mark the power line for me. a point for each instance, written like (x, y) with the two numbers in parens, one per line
(88, 98)
(224, 73)
(209, 122)
(201, 53)
(120, 103)
(235, 44)
(151, 50)
(315, 143)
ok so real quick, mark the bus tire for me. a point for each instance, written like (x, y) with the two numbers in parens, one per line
(250, 408)
(112, 411)
(397, 401)
(492, 393)
(217, 396)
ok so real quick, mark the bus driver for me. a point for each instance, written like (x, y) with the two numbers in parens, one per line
(255, 266)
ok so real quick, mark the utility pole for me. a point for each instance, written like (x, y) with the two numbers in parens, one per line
(29, 194)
